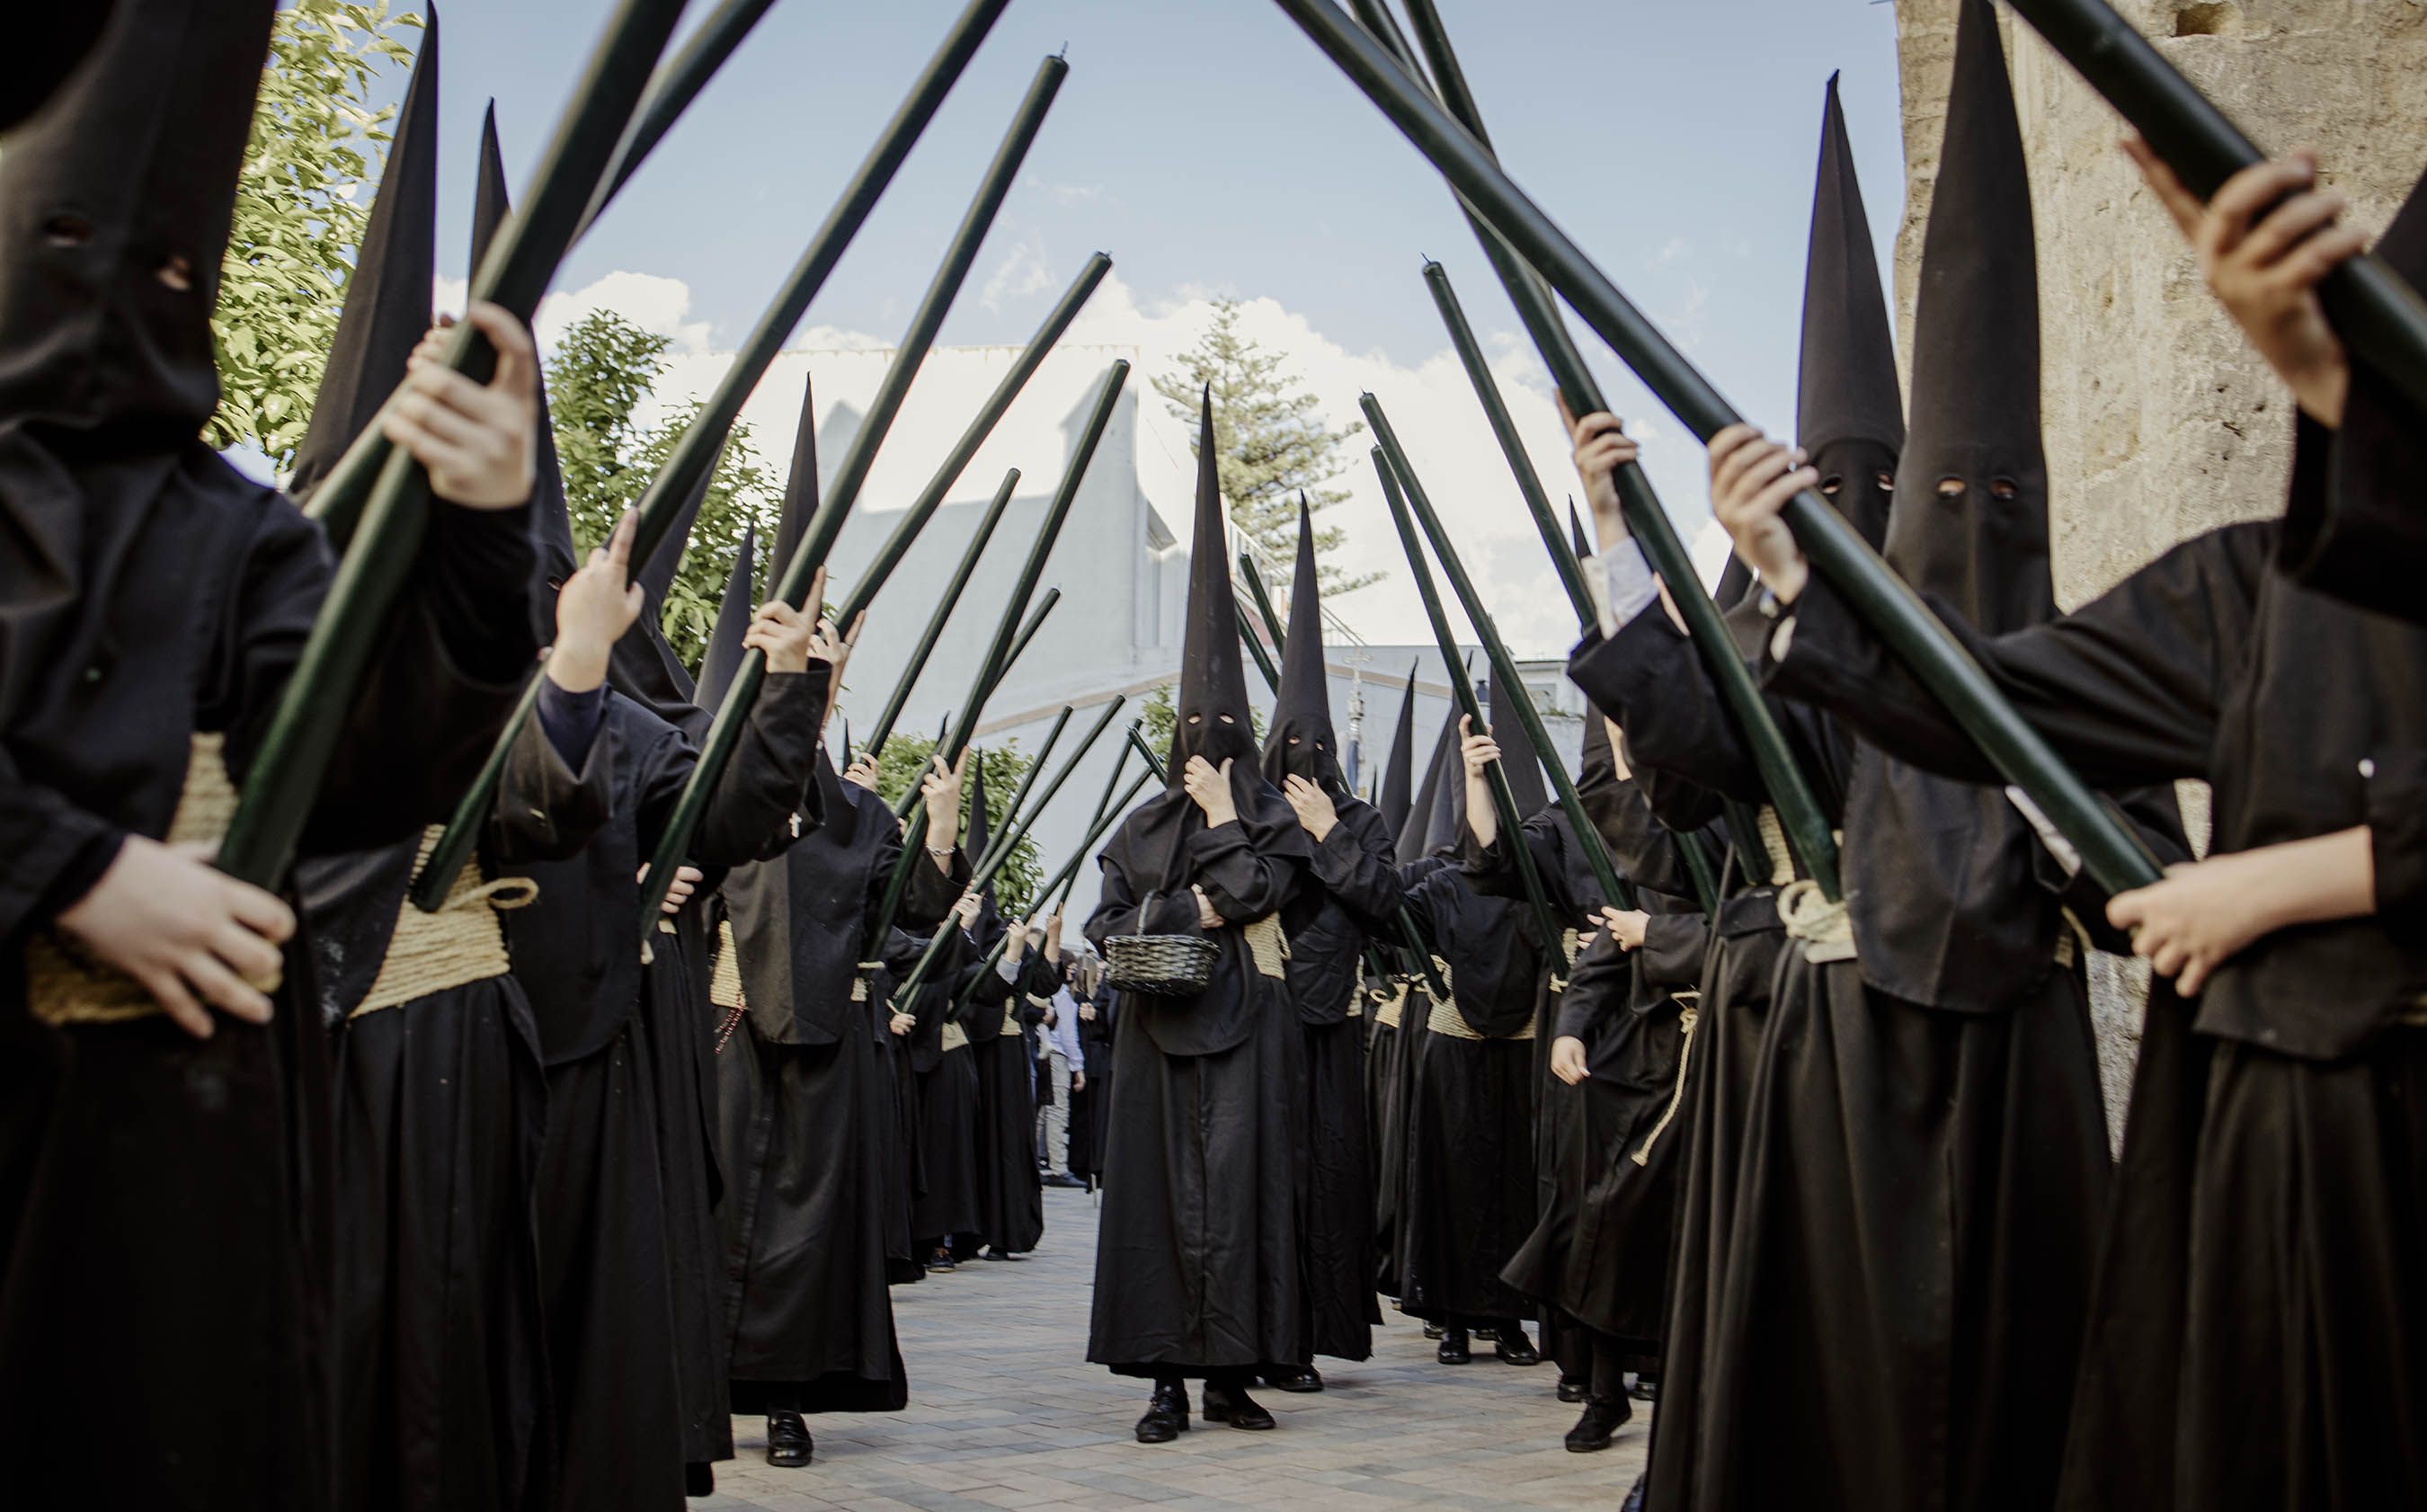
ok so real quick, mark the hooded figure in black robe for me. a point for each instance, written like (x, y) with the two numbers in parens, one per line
(620, 1172)
(806, 1115)
(1925, 1148)
(1471, 1197)
(944, 1219)
(2257, 1336)
(45, 47)
(1353, 897)
(441, 1101)
(150, 596)
(1198, 1263)
(1006, 1000)
(1400, 1023)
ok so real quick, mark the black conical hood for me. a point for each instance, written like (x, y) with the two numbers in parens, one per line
(657, 574)
(1577, 541)
(644, 665)
(551, 526)
(1398, 767)
(1597, 765)
(801, 484)
(127, 172)
(733, 615)
(388, 297)
(1848, 413)
(1518, 757)
(1416, 834)
(1969, 523)
(1445, 815)
(1301, 739)
(45, 44)
(1210, 717)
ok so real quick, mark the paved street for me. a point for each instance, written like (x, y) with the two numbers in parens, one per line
(1005, 1413)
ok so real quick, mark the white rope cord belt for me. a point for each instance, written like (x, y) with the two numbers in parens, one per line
(1826, 929)
(1268, 946)
(456, 944)
(1686, 1018)
(1446, 1019)
(724, 978)
(62, 987)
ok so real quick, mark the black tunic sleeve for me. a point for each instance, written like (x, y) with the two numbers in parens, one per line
(2126, 688)
(768, 780)
(1673, 950)
(545, 810)
(1355, 865)
(2356, 526)
(1597, 989)
(1243, 883)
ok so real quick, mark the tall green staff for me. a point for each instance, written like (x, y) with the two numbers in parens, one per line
(1036, 622)
(1698, 862)
(810, 555)
(1256, 651)
(1063, 878)
(1264, 600)
(991, 666)
(943, 612)
(287, 772)
(1805, 827)
(1027, 780)
(1504, 799)
(1504, 667)
(2116, 859)
(1113, 781)
(674, 88)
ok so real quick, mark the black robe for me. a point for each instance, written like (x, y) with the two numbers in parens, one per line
(807, 1113)
(1010, 1201)
(1865, 1268)
(1354, 896)
(2256, 1338)
(1470, 1200)
(216, 1158)
(606, 1242)
(1087, 1103)
(441, 1106)
(947, 1087)
(1197, 1255)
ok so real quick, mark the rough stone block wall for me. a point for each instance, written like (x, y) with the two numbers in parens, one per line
(2160, 422)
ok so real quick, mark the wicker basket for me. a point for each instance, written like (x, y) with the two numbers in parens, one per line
(1163, 965)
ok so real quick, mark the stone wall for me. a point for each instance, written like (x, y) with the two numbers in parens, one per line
(2160, 420)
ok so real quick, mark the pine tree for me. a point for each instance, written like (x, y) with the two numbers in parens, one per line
(601, 370)
(1273, 444)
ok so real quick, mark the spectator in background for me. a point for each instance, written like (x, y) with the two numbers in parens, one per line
(1061, 1073)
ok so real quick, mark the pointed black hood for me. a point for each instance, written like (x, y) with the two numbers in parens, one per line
(1597, 765)
(1395, 797)
(644, 666)
(1211, 713)
(1848, 413)
(1969, 523)
(1301, 739)
(1445, 815)
(1416, 830)
(388, 297)
(116, 201)
(1578, 542)
(733, 615)
(801, 485)
(1518, 757)
(44, 47)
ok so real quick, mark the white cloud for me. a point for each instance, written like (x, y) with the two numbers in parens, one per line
(1063, 194)
(1021, 274)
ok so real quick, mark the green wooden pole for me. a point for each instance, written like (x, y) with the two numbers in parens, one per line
(943, 612)
(1256, 651)
(673, 88)
(817, 541)
(1063, 879)
(1262, 600)
(2117, 858)
(287, 772)
(1020, 792)
(1120, 765)
(1036, 622)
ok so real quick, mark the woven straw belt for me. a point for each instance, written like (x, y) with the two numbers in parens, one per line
(1394, 1005)
(1446, 1019)
(860, 976)
(61, 986)
(455, 945)
(955, 1037)
(724, 978)
(1773, 844)
(1269, 946)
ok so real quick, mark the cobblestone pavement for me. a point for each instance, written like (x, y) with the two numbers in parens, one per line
(1006, 1413)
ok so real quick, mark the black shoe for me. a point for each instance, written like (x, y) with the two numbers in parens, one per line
(1603, 1415)
(1228, 1403)
(1634, 1502)
(1063, 1178)
(1432, 1330)
(1646, 1388)
(1166, 1415)
(1514, 1348)
(788, 1441)
(1574, 1389)
(942, 1260)
(994, 1254)
(1453, 1350)
(1297, 1378)
(1483, 1336)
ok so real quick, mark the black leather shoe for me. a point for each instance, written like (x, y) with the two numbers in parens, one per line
(1574, 1389)
(994, 1254)
(1063, 1178)
(942, 1260)
(1236, 1407)
(1483, 1336)
(1166, 1415)
(1645, 1388)
(1514, 1348)
(1432, 1330)
(1603, 1415)
(1453, 1350)
(789, 1446)
(1302, 1378)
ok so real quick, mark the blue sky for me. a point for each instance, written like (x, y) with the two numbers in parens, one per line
(1212, 150)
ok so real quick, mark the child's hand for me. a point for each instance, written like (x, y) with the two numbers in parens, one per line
(2198, 918)
(593, 611)
(195, 938)
(478, 441)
